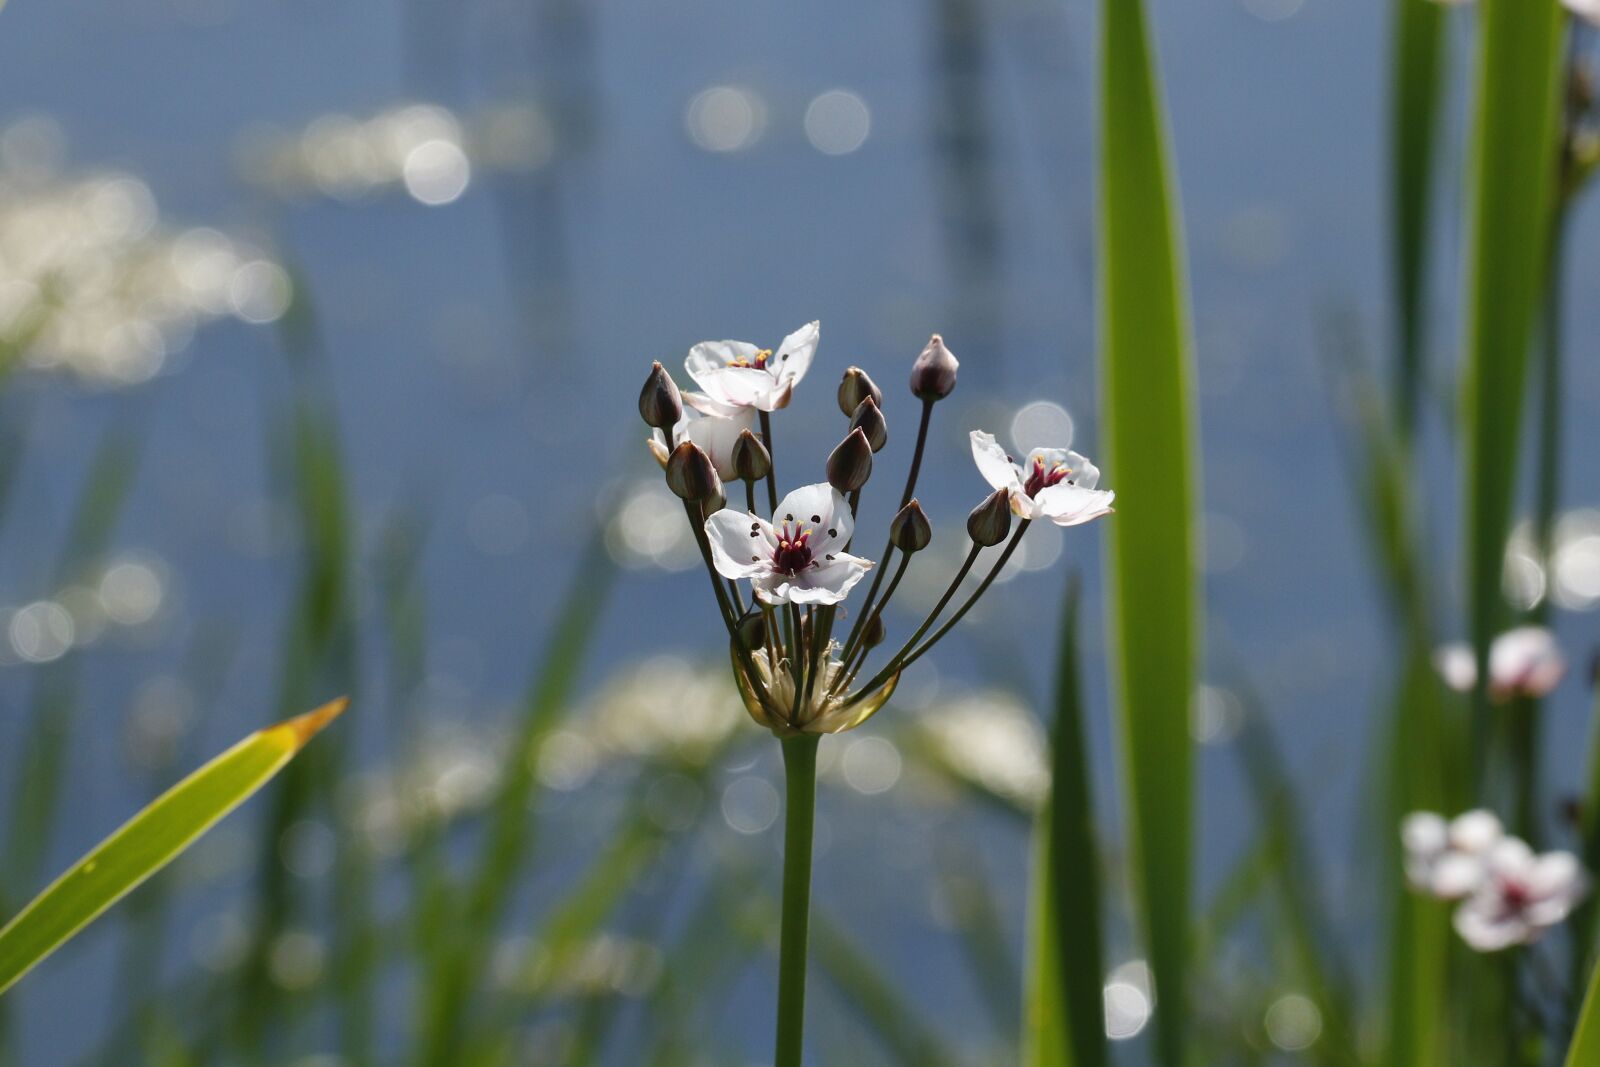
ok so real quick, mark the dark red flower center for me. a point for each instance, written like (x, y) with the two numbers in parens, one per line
(1040, 479)
(758, 361)
(793, 554)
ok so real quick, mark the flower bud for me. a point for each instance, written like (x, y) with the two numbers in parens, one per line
(933, 375)
(990, 521)
(910, 531)
(751, 460)
(659, 402)
(850, 465)
(855, 388)
(753, 629)
(870, 421)
(690, 474)
(872, 632)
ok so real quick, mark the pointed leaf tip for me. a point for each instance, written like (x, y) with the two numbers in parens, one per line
(302, 728)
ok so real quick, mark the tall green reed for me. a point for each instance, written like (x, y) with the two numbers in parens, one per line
(1149, 407)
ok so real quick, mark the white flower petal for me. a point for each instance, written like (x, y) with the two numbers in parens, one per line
(1487, 927)
(1588, 10)
(1475, 832)
(1071, 505)
(1558, 876)
(1424, 834)
(993, 463)
(1084, 472)
(1525, 661)
(829, 582)
(793, 357)
(708, 359)
(818, 508)
(710, 406)
(716, 435)
(1454, 875)
(741, 544)
(1456, 665)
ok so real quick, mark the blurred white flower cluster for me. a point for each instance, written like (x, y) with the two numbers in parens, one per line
(991, 740)
(1510, 894)
(91, 283)
(423, 148)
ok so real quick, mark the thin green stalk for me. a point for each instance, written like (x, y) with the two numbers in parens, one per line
(977, 594)
(772, 463)
(888, 547)
(800, 780)
(916, 456)
(894, 661)
(1416, 82)
(849, 652)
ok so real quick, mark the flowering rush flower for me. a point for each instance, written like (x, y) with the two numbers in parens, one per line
(1524, 662)
(1051, 483)
(796, 667)
(1523, 894)
(715, 435)
(1509, 894)
(736, 375)
(1444, 858)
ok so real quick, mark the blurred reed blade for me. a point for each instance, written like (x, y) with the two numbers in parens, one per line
(1512, 198)
(1064, 1020)
(1585, 1049)
(1416, 81)
(507, 841)
(1584, 918)
(150, 840)
(1149, 412)
(1419, 936)
(42, 753)
(976, 919)
(878, 1003)
(1309, 931)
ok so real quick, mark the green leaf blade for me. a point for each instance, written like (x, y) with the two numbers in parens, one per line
(1064, 1022)
(1147, 379)
(151, 840)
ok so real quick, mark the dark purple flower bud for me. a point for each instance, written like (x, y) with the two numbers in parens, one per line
(872, 632)
(933, 375)
(855, 388)
(870, 421)
(990, 521)
(659, 403)
(753, 629)
(850, 465)
(691, 476)
(751, 460)
(910, 531)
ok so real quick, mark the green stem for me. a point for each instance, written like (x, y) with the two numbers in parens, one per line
(772, 463)
(800, 779)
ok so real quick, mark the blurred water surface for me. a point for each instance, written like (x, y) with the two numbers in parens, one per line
(494, 214)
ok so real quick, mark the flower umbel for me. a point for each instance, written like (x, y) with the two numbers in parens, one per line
(1510, 895)
(796, 673)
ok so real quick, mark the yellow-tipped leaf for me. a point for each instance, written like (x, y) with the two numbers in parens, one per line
(152, 839)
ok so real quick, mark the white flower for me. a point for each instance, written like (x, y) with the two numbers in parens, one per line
(1588, 10)
(1445, 859)
(1524, 662)
(714, 434)
(736, 375)
(1522, 895)
(799, 556)
(1054, 483)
